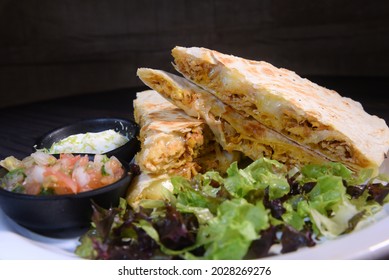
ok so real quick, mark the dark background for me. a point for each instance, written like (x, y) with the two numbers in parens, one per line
(63, 61)
(51, 49)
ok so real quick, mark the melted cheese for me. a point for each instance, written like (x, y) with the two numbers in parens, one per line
(289, 104)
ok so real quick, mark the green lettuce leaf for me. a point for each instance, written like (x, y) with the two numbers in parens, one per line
(259, 175)
(190, 196)
(230, 233)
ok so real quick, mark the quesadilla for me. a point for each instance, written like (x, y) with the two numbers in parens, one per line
(174, 143)
(234, 131)
(149, 187)
(313, 116)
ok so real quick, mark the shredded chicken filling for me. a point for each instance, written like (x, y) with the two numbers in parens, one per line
(298, 130)
(175, 154)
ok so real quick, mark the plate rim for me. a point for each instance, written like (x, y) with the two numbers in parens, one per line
(35, 246)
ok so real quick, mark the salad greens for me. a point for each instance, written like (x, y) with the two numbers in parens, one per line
(245, 214)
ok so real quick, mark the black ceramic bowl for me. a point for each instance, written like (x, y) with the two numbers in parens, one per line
(125, 127)
(61, 216)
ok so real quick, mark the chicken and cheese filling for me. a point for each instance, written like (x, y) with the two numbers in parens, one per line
(267, 101)
(232, 130)
(172, 142)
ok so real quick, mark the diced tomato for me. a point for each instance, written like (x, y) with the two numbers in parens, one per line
(60, 182)
(71, 174)
(67, 161)
(95, 179)
(33, 188)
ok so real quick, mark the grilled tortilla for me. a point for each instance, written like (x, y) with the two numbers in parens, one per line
(148, 186)
(174, 143)
(234, 131)
(313, 116)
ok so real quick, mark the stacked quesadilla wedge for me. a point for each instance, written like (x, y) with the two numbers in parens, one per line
(233, 130)
(173, 143)
(318, 119)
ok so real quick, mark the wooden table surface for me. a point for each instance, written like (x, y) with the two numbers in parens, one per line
(21, 126)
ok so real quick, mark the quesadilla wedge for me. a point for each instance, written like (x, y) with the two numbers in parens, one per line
(174, 143)
(313, 116)
(234, 131)
(149, 187)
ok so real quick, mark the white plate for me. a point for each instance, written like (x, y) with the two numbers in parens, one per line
(18, 243)
(371, 242)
